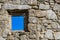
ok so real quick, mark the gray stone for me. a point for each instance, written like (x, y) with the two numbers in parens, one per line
(48, 34)
(51, 15)
(32, 19)
(58, 1)
(1, 38)
(57, 35)
(12, 7)
(43, 6)
(56, 7)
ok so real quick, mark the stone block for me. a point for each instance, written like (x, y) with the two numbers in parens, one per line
(12, 6)
(43, 6)
(51, 15)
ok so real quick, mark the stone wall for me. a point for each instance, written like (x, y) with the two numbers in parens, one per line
(44, 20)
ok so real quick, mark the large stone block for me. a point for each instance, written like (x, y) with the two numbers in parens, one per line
(12, 7)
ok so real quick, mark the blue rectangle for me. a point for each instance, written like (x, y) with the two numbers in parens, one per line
(17, 23)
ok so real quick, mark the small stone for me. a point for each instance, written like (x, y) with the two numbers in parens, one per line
(48, 34)
(56, 7)
(40, 13)
(31, 27)
(58, 1)
(57, 35)
(42, 6)
(51, 15)
(32, 19)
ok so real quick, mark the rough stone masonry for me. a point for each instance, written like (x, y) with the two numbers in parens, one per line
(44, 19)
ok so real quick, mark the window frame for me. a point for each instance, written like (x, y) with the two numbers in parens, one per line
(24, 13)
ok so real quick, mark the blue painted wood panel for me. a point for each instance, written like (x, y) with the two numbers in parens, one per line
(17, 23)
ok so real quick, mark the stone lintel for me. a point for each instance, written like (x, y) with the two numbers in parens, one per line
(19, 7)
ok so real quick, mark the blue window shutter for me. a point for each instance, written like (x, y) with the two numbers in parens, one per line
(17, 23)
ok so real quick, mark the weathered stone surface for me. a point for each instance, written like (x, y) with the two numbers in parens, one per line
(1, 38)
(31, 27)
(23, 37)
(57, 35)
(56, 7)
(58, 1)
(51, 15)
(40, 13)
(30, 2)
(43, 6)
(32, 19)
(12, 7)
(48, 34)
